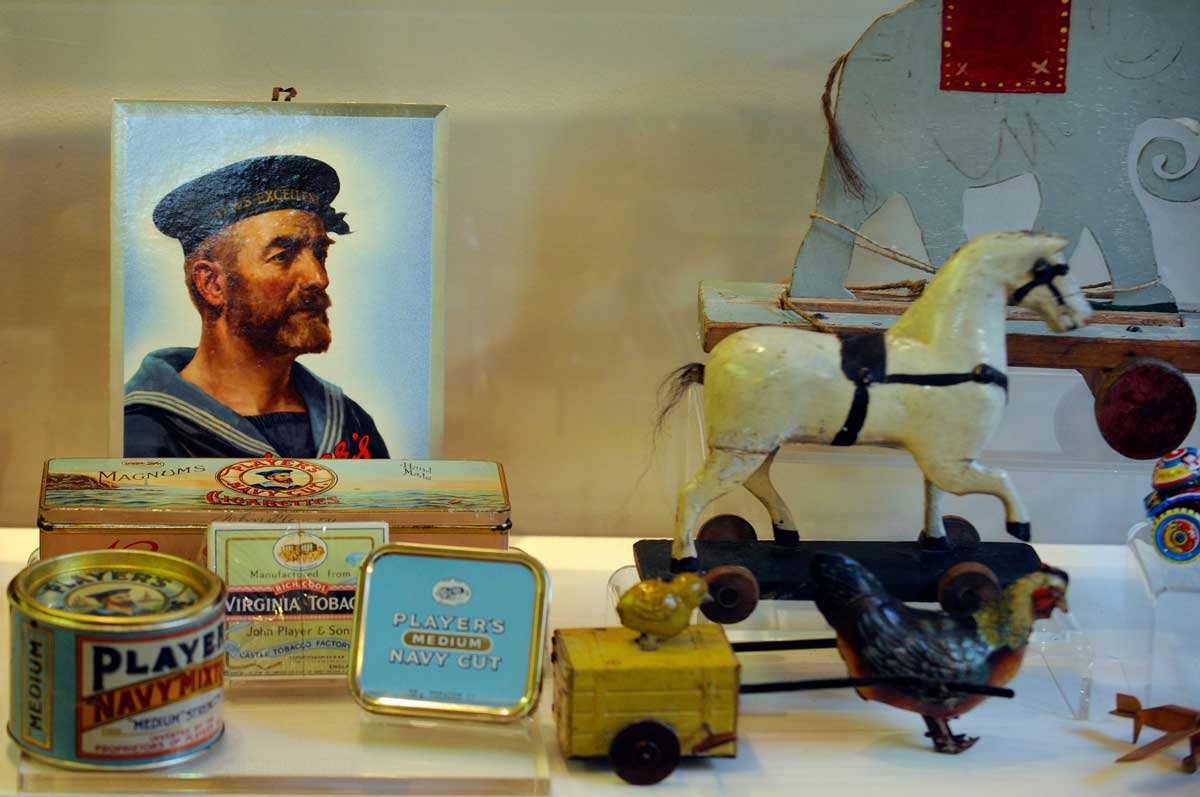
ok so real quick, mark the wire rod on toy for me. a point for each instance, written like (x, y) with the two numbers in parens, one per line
(883, 680)
(784, 644)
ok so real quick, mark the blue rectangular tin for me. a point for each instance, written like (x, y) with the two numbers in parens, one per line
(449, 632)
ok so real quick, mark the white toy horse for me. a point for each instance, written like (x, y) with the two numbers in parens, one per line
(934, 384)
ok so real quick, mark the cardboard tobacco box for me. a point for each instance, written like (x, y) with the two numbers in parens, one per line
(166, 504)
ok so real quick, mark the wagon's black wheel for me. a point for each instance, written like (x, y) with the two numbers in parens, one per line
(644, 752)
(967, 586)
(734, 592)
(727, 528)
(959, 531)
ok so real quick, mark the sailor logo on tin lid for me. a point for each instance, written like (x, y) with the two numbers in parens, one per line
(1179, 468)
(115, 593)
(292, 478)
(452, 592)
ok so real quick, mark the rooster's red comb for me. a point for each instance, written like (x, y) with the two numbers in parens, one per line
(1055, 571)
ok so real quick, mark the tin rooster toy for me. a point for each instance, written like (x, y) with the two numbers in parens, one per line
(881, 638)
(661, 609)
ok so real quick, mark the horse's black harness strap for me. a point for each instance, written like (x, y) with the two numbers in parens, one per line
(982, 373)
(864, 362)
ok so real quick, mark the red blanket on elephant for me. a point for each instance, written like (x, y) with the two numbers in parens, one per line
(1018, 46)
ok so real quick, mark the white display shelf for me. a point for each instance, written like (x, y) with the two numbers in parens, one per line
(814, 742)
(318, 741)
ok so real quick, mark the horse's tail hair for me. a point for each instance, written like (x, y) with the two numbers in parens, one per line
(673, 389)
(843, 157)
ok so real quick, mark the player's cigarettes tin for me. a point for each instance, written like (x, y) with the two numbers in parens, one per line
(117, 659)
(166, 505)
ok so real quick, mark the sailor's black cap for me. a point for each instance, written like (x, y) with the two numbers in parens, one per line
(197, 209)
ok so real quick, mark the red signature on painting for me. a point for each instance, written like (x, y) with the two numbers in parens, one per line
(342, 451)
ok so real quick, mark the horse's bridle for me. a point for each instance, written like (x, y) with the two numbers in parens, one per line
(1044, 273)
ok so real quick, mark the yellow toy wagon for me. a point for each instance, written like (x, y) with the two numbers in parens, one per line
(645, 709)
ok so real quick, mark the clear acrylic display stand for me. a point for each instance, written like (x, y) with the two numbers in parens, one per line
(297, 739)
(1165, 665)
(1057, 668)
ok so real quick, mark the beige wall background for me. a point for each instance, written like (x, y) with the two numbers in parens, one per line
(603, 159)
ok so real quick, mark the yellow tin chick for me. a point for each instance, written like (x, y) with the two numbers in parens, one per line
(661, 609)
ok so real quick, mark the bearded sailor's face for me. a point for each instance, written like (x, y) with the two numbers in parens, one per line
(276, 288)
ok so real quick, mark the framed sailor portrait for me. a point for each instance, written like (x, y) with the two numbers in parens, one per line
(277, 280)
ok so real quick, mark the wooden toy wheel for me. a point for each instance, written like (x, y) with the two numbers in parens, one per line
(966, 586)
(959, 531)
(727, 528)
(1144, 409)
(734, 592)
(644, 752)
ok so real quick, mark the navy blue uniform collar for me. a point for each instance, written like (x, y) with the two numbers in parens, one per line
(157, 383)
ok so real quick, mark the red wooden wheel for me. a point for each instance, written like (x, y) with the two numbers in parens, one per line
(1145, 408)
(644, 752)
(727, 528)
(734, 592)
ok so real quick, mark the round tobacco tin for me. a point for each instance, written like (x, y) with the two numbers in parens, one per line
(117, 659)
(449, 632)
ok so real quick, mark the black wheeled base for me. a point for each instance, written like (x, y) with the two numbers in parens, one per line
(908, 571)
